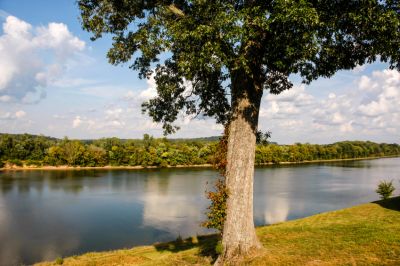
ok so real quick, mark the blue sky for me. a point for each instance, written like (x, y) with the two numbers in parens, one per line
(55, 81)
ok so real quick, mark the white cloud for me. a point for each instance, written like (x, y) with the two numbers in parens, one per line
(76, 122)
(359, 69)
(151, 90)
(337, 118)
(386, 98)
(12, 115)
(346, 127)
(20, 114)
(56, 36)
(113, 113)
(136, 98)
(287, 104)
(365, 83)
(82, 122)
(32, 58)
(331, 95)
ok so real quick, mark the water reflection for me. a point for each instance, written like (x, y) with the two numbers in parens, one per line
(24, 239)
(272, 199)
(46, 214)
(277, 211)
(167, 209)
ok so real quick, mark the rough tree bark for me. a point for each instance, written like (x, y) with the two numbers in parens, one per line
(239, 236)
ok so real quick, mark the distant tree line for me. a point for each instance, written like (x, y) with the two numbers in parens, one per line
(309, 152)
(40, 150)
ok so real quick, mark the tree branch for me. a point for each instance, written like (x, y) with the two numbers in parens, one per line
(178, 12)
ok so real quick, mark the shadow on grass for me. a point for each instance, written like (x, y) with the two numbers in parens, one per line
(206, 245)
(392, 203)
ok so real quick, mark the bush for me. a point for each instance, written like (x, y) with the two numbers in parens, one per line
(17, 162)
(217, 210)
(219, 248)
(2, 164)
(59, 261)
(216, 214)
(385, 189)
(33, 163)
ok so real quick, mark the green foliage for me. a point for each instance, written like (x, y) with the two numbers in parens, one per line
(273, 153)
(219, 248)
(262, 138)
(217, 210)
(59, 261)
(179, 239)
(30, 162)
(109, 151)
(216, 214)
(238, 46)
(164, 152)
(385, 189)
(16, 162)
(24, 146)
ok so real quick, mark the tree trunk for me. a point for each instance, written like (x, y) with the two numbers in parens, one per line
(239, 236)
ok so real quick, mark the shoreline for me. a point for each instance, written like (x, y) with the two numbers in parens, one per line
(107, 167)
(139, 167)
(330, 160)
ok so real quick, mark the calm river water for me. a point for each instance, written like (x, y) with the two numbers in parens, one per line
(47, 214)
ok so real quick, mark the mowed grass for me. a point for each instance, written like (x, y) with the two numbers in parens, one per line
(367, 234)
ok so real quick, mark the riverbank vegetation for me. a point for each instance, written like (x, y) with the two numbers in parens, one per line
(32, 150)
(367, 234)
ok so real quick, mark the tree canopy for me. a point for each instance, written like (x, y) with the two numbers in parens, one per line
(162, 152)
(194, 47)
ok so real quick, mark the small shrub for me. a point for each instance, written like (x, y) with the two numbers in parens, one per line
(217, 210)
(219, 248)
(16, 162)
(216, 213)
(59, 261)
(2, 164)
(179, 239)
(33, 163)
(385, 189)
(195, 240)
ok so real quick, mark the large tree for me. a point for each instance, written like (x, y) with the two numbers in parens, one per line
(216, 58)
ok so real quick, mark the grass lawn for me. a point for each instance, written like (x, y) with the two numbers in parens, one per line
(367, 234)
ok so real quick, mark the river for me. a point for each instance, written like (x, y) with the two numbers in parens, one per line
(46, 214)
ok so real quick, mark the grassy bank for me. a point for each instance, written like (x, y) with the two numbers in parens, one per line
(367, 234)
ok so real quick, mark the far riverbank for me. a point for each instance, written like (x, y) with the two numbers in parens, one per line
(11, 167)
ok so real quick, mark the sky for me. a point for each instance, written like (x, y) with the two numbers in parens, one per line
(56, 82)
